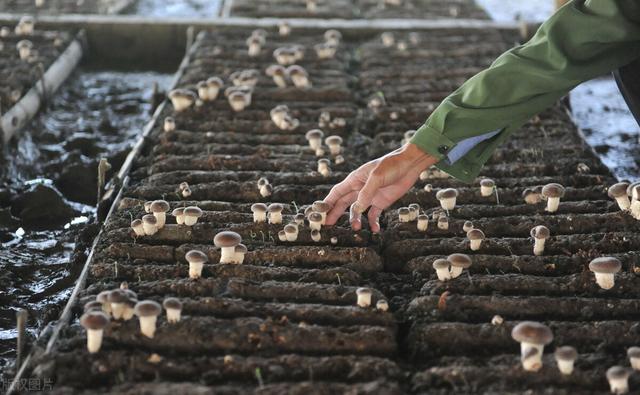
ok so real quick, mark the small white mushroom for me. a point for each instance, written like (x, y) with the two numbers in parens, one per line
(315, 221)
(244, 78)
(497, 320)
(565, 358)
(241, 250)
(149, 224)
(182, 99)
(178, 213)
(618, 377)
(25, 48)
(532, 195)
(605, 269)
(475, 237)
(552, 193)
(159, 210)
(94, 322)
(227, 241)
(291, 232)
(323, 167)
(334, 240)
(339, 159)
(404, 215)
(173, 306)
(254, 45)
(332, 36)
(284, 28)
(334, 143)
(169, 124)
(278, 74)
(428, 187)
(299, 76)
(467, 226)
(414, 210)
(443, 222)
(634, 357)
(196, 260)
(447, 198)
(619, 193)
(266, 190)
(487, 186)
(117, 300)
(423, 222)
(285, 55)
(275, 213)
(540, 234)
(282, 236)
(458, 263)
(323, 208)
(388, 39)
(532, 336)
(382, 305)
(325, 50)
(214, 85)
(138, 227)
(259, 211)
(442, 268)
(364, 297)
(191, 215)
(315, 235)
(148, 312)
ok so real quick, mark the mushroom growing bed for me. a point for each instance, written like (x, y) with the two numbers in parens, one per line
(368, 9)
(64, 6)
(287, 318)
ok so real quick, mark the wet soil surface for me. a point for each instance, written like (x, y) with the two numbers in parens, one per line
(49, 188)
(59, 6)
(287, 316)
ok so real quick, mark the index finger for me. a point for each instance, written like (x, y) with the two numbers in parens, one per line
(338, 191)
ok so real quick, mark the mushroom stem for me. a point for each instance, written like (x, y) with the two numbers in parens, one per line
(538, 246)
(456, 271)
(635, 208)
(605, 280)
(486, 191)
(148, 325)
(94, 340)
(173, 315)
(444, 274)
(448, 204)
(259, 216)
(117, 310)
(275, 218)
(565, 366)
(623, 202)
(195, 269)
(552, 204)
(189, 220)
(161, 218)
(364, 299)
(531, 356)
(423, 223)
(228, 254)
(475, 244)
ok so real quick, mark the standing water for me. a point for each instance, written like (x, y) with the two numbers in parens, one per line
(48, 188)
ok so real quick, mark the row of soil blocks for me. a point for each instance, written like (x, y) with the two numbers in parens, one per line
(26, 52)
(369, 9)
(287, 319)
(48, 7)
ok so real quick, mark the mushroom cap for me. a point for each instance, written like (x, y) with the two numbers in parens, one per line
(447, 193)
(633, 352)
(566, 353)
(423, 217)
(103, 297)
(92, 305)
(364, 291)
(275, 69)
(315, 232)
(487, 182)
(314, 134)
(299, 217)
(403, 211)
(553, 190)
(196, 256)
(441, 264)
(177, 212)
(263, 181)
(475, 234)
(275, 208)
(215, 82)
(321, 206)
(315, 217)
(631, 187)
(618, 190)
(159, 206)
(94, 320)
(279, 108)
(414, 206)
(443, 219)
(528, 191)
(147, 308)
(149, 219)
(332, 34)
(24, 44)
(290, 228)
(192, 211)
(532, 332)
(333, 140)
(241, 249)
(618, 373)
(227, 239)
(459, 260)
(118, 296)
(172, 303)
(130, 294)
(295, 69)
(605, 264)
(540, 232)
(324, 161)
(468, 224)
(136, 223)
(182, 93)
(268, 188)
(258, 208)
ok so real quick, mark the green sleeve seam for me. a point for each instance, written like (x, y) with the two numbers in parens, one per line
(432, 142)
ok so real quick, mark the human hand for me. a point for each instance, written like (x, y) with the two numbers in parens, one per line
(377, 185)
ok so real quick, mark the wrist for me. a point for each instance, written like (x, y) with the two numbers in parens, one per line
(418, 157)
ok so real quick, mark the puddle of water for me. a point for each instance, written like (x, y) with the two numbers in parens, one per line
(96, 113)
(176, 8)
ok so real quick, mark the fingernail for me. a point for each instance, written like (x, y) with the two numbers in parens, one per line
(357, 207)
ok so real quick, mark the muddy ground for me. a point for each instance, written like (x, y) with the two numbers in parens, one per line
(61, 6)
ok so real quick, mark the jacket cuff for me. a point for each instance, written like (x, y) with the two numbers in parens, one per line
(432, 142)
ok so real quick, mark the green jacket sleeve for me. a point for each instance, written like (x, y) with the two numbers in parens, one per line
(582, 40)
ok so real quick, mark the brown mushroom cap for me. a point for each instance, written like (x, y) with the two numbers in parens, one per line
(215, 82)
(540, 232)
(423, 217)
(633, 352)
(446, 193)
(314, 134)
(299, 217)
(92, 305)
(192, 211)
(631, 187)
(315, 232)
(459, 260)
(147, 308)
(159, 206)
(136, 222)
(275, 69)
(227, 239)
(103, 297)
(24, 44)
(241, 249)
(605, 265)
(259, 208)
(553, 190)
(403, 211)
(118, 296)
(529, 191)
(333, 140)
(315, 217)
(324, 161)
(321, 206)
(532, 332)
(414, 206)
(275, 208)
(172, 303)
(468, 224)
(443, 219)
(618, 373)
(295, 69)
(178, 212)
(441, 264)
(364, 291)
(182, 93)
(475, 234)
(618, 190)
(94, 320)
(196, 256)
(487, 182)
(290, 228)
(149, 219)
(566, 353)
